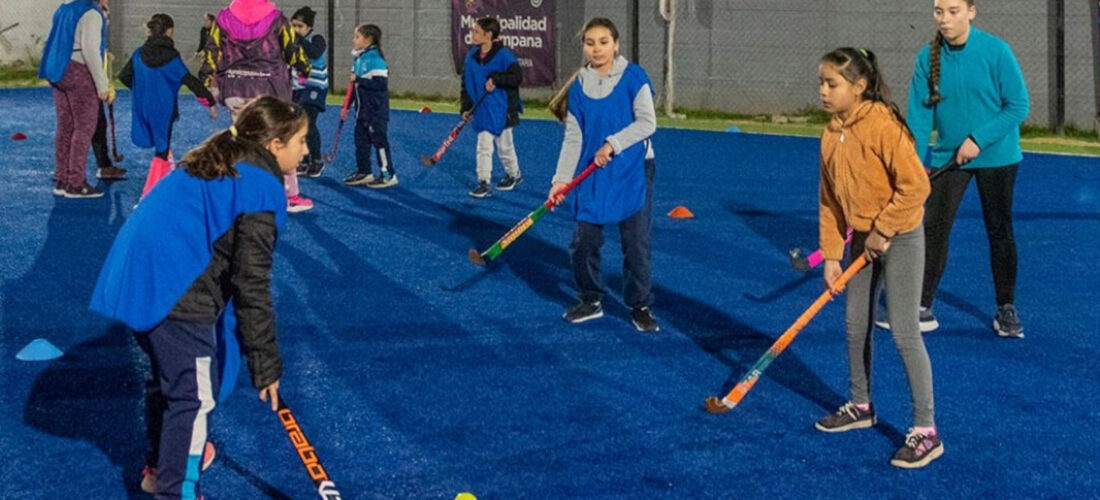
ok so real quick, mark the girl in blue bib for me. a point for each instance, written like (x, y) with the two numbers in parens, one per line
(156, 72)
(609, 117)
(200, 248)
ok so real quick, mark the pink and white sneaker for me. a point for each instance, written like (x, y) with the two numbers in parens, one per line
(920, 449)
(298, 203)
(149, 474)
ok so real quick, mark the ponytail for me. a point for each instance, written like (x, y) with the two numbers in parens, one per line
(559, 104)
(159, 24)
(260, 122)
(855, 64)
(375, 34)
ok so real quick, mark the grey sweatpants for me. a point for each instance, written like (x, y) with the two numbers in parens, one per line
(902, 266)
(506, 149)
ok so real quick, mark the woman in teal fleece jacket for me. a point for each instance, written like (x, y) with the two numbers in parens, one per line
(968, 87)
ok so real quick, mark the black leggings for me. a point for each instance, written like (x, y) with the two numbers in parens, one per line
(99, 141)
(164, 154)
(313, 137)
(995, 188)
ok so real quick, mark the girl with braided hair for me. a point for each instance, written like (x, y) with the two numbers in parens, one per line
(968, 87)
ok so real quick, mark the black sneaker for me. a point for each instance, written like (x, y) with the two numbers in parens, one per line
(110, 173)
(1007, 322)
(314, 170)
(644, 320)
(383, 182)
(358, 179)
(919, 450)
(303, 168)
(928, 321)
(847, 418)
(83, 191)
(58, 189)
(482, 190)
(509, 183)
(583, 311)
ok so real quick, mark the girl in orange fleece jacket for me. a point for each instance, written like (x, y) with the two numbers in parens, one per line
(873, 182)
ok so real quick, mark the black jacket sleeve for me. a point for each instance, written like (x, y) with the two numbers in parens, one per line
(250, 277)
(127, 74)
(315, 48)
(510, 78)
(198, 88)
(467, 102)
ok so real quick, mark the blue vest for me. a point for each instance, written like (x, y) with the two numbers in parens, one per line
(59, 46)
(318, 70)
(155, 101)
(491, 115)
(168, 242)
(616, 191)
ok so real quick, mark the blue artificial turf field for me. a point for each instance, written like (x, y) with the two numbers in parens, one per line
(417, 375)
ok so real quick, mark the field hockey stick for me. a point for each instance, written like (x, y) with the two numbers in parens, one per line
(494, 251)
(111, 114)
(114, 133)
(801, 263)
(715, 405)
(428, 161)
(339, 128)
(325, 487)
(805, 263)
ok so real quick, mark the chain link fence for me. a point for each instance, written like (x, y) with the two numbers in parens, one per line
(761, 57)
(735, 56)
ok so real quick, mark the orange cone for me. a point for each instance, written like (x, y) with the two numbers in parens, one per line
(681, 212)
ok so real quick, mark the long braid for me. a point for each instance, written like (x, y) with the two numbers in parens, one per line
(934, 96)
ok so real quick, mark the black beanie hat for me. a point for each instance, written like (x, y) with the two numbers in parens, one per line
(306, 14)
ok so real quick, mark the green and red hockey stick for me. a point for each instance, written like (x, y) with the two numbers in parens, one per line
(727, 403)
(480, 258)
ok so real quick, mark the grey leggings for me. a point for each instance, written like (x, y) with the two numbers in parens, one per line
(902, 266)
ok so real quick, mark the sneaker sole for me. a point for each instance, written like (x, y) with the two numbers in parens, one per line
(149, 484)
(509, 188)
(643, 330)
(486, 195)
(925, 326)
(298, 209)
(384, 185)
(1006, 334)
(82, 196)
(590, 317)
(861, 424)
(360, 182)
(932, 455)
